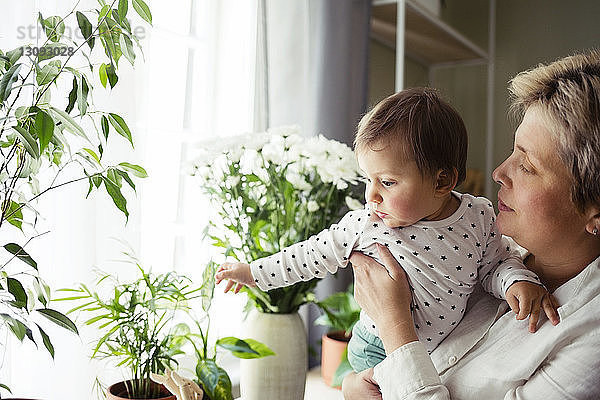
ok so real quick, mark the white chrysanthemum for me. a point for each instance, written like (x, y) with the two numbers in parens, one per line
(234, 154)
(232, 180)
(341, 184)
(296, 179)
(312, 206)
(293, 154)
(354, 204)
(250, 161)
(286, 130)
(274, 151)
(255, 141)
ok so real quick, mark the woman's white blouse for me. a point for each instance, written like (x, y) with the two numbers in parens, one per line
(491, 355)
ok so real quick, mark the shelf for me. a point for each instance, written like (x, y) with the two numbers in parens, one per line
(427, 39)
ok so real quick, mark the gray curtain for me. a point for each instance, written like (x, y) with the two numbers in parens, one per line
(313, 55)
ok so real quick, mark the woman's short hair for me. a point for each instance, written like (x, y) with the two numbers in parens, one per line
(568, 93)
(425, 126)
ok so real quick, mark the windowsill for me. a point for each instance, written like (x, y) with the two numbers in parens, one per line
(316, 389)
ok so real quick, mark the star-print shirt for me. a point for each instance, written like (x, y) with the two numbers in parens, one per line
(443, 260)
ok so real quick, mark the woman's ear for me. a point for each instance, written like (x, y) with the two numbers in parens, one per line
(593, 223)
(446, 181)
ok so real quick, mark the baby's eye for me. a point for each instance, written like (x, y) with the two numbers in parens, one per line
(387, 183)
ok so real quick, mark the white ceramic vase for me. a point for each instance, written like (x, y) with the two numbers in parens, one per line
(279, 377)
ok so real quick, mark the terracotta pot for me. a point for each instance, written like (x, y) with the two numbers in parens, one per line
(279, 377)
(118, 391)
(333, 345)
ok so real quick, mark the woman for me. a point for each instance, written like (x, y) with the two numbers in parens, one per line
(549, 203)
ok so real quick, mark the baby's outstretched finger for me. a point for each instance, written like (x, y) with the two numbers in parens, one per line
(229, 286)
(238, 287)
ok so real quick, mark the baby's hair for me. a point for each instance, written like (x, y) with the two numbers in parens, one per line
(425, 126)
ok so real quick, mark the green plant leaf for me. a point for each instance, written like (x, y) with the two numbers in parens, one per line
(102, 74)
(20, 254)
(236, 345)
(123, 6)
(109, 35)
(59, 319)
(44, 126)
(15, 215)
(14, 55)
(105, 126)
(126, 177)
(112, 75)
(41, 293)
(72, 96)
(136, 170)
(68, 122)
(114, 192)
(82, 95)
(54, 27)
(7, 81)
(246, 348)
(127, 48)
(120, 126)
(92, 153)
(28, 141)
(47, 74)
(86, 28)
(143, 10)
(214, 379)
(49, 51)
(46, 340)
(16, 289)
(3, 386)
(18, 328)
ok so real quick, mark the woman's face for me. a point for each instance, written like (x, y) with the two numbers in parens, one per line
(534, 200)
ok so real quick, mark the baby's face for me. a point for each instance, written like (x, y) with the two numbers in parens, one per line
(396, 191)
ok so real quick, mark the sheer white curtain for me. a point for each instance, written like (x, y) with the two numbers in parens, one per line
(196, 82)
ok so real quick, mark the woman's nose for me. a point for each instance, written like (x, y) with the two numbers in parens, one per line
(500, 174)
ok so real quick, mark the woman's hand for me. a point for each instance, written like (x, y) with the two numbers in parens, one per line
(360, 386)
(384, 294)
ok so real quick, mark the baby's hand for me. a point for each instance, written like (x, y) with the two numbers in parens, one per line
(237, 273)
(526, 299)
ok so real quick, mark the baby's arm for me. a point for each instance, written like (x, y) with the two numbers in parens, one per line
(314, 258)
(526, 298)
(503, 275)
(237, 273)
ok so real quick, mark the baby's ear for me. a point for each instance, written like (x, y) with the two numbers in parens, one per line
(446, 181)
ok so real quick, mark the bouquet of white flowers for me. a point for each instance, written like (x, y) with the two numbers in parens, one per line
(271, 190)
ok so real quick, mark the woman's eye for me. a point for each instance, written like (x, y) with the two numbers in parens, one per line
(387, 183)
(524, 169)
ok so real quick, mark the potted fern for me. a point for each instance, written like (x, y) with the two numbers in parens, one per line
(50, 138)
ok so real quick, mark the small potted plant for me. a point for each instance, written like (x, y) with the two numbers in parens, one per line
(137, 326)
(139, 330)
(340, 313)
